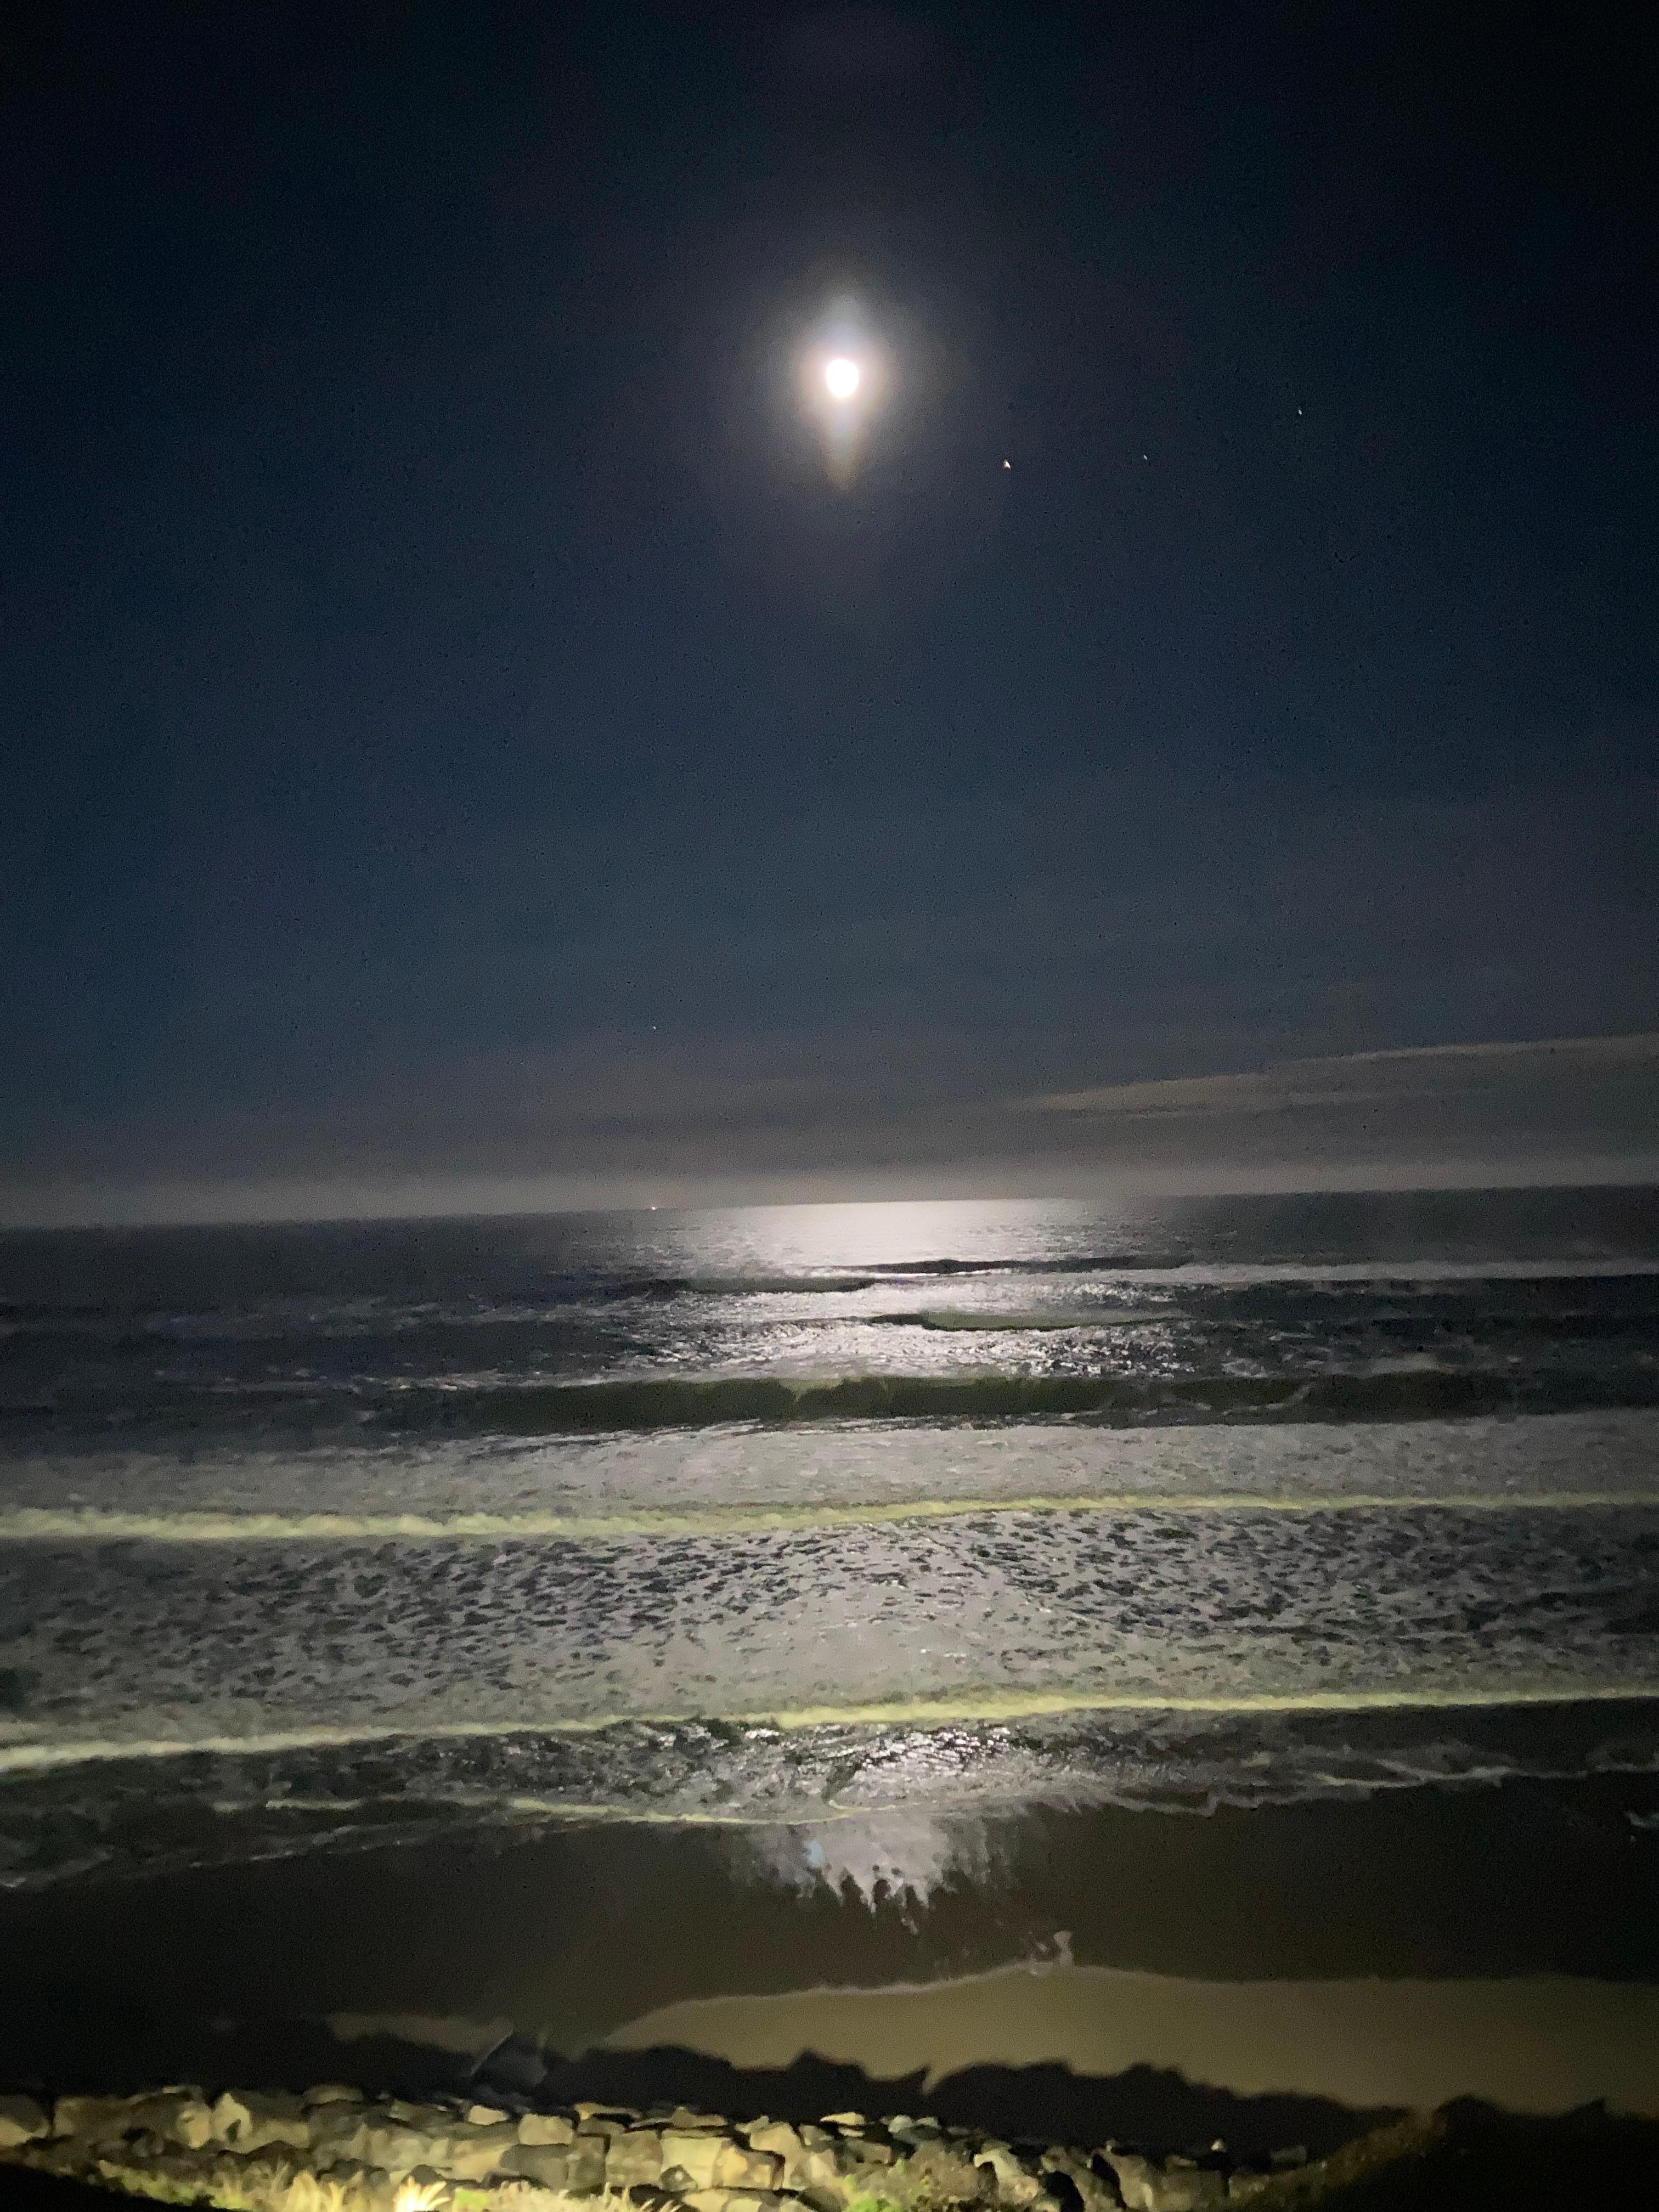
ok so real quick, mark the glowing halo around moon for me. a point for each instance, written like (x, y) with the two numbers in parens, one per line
(846, 379)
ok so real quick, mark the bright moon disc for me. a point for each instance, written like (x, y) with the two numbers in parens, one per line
(841, 376)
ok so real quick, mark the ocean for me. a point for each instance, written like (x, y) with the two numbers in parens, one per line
(835, 1528)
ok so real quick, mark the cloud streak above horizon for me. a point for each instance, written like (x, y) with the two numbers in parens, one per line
(1358, 1078)
(749, 1120)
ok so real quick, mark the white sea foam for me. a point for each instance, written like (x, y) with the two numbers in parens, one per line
(549, 1486)
(968, 1707)
(30, 1524)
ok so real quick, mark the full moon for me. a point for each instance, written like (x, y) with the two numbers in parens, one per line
(841, 376)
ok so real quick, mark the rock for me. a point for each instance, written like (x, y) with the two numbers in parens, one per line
(338, 2131)
(804, 2164)
(422, 2191)
(634, 2158)
(396, 2150)
(186, 2121)
(546, 2128)
(472, 2151)
(183, 2116)
(1077, 2183)
(950, 2174)
(1178, 2185)
(694, 2153)
(867, 2151)
(1132, 2174)
(738, 2168)
(903, 2129)
(820, 2183)
(264, 2181)
(179, 2174)
(433, 2118)
(91, 2119)
(21, 2121)
(56, 2155)
(545, 2164)
(572, 2167)
(1010, 2183)
(587, 2166)
(249, 2119)
(393, 2155)
(171, 2116)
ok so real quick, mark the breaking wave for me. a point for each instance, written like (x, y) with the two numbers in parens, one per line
(283, 1794)
(964, 1709)
(646, 1402)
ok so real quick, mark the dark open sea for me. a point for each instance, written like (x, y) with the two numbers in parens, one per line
(780, 1517)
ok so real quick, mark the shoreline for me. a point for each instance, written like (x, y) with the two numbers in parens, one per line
(1287, 1973)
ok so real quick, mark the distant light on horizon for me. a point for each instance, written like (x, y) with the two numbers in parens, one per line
(842, 377)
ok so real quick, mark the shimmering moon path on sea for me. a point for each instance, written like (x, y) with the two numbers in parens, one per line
(781, 1517)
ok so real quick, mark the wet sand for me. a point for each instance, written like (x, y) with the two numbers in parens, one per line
(1536, 2044)
(1499, 1941)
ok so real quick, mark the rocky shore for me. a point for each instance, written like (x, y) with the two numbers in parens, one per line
(333, 2150)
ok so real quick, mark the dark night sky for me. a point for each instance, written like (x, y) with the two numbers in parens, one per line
(459, 747)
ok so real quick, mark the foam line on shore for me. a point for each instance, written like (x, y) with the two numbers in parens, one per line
(47, 1524)
(968, 1709)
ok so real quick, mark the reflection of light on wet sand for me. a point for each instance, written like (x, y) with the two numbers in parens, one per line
(895, 1854)
(1545, 2044)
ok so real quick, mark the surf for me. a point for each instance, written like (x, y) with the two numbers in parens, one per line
(968, 1709)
